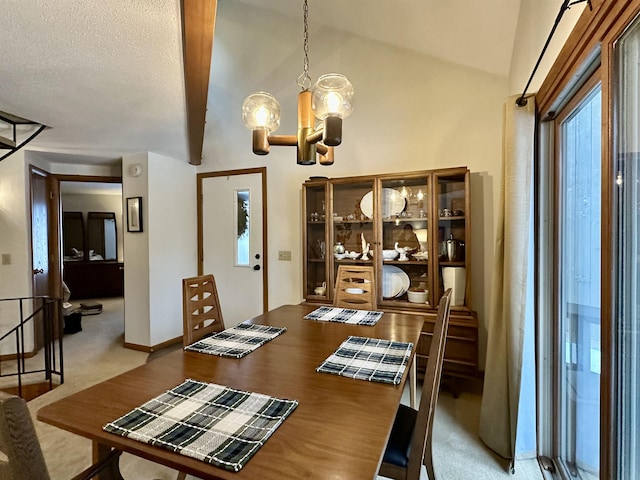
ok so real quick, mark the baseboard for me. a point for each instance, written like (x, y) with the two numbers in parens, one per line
(152, 348)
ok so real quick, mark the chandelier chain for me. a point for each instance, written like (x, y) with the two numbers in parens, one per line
(304, 80)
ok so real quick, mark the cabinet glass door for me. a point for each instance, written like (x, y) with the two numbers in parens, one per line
(452, 213)
(315, 204)
(352, 227)
(404, 266)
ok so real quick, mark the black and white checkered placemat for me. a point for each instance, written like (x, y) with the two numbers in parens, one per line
(212, 423)
(236, 341)
(369, 359)
(345, 315)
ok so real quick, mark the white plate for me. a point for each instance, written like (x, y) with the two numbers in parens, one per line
(395, 282)
(392, 203)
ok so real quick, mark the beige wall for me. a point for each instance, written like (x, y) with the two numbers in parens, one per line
(157, 258)
(411, 112)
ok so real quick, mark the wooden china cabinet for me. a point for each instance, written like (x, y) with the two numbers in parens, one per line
(415, 226)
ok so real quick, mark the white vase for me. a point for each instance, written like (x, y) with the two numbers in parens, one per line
(455, 279)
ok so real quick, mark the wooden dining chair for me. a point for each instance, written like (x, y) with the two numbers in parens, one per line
(355, 288)
(19, 444)
(410, 443)
(201, 310)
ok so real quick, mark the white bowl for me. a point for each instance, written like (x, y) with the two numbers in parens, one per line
(389, 254)
(417, 296)
(355, 291)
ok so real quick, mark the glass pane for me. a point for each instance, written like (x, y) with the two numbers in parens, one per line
(405, 254)
(579, 280)
(243, 209)
(316, 252)
(627, 248)
(352, 215)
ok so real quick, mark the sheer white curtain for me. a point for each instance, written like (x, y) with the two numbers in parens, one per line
(511, 282)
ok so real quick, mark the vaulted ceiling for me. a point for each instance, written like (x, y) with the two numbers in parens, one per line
(107, 76)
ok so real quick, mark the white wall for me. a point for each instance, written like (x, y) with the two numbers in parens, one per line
(164, 252)
(15, 279)
(536, 18)
(411, 112)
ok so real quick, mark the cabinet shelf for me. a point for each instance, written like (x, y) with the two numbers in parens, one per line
(407, 262)
(452, 219)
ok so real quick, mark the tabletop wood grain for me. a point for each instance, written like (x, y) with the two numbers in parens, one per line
(339, 430)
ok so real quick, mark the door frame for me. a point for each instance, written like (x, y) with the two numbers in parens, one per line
(265, 264)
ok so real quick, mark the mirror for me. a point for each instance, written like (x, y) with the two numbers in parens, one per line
(73, 236)
(102, 243)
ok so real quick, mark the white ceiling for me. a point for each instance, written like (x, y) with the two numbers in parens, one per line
(106, 76)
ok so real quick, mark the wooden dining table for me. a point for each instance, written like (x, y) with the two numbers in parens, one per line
(339, 429)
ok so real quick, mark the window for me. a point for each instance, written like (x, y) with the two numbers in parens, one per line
(591, 396)
(577, 282)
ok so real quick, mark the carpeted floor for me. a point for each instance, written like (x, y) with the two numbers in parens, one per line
(96, 354)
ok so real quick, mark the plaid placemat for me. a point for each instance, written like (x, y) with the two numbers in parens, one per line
(369, 359)
(236, 341)
(345, 315)
(212, 423)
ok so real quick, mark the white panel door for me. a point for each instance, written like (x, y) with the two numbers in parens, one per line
(232, 243)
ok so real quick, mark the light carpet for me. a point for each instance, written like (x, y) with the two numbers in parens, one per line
(96, 354)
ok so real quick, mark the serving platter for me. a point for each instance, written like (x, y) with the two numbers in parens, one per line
(392, 203)
(395, 282)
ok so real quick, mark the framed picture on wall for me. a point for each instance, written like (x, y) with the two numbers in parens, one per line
(134, 214)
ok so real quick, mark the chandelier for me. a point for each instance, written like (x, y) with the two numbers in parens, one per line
(328, 100)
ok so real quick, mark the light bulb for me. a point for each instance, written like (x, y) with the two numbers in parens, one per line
(261, 115)
(261, 110)
(333, 102)
(332, 96)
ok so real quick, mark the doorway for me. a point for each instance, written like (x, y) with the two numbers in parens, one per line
(232, 239)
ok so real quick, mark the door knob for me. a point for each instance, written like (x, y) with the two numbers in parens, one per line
(256, 267)
(37, 271)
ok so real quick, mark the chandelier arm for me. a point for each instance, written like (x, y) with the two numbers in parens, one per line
(283, 140)
(315, 137)
(327, 159)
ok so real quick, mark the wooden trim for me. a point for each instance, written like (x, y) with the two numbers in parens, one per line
(198, 21)
(87, 178)
(584, 40)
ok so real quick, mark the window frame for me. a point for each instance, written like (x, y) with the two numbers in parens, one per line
(591, 41)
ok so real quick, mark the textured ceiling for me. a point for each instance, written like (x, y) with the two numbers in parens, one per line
(106, 76)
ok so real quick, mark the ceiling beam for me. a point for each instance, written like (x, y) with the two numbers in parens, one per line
(198, 20)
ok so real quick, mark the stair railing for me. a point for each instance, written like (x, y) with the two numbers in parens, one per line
(50, 311)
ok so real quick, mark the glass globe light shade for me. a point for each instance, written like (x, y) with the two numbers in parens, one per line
(261, 110)
(332, 95)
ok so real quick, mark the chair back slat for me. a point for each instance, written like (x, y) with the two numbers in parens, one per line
(201, 310)
(355, 288)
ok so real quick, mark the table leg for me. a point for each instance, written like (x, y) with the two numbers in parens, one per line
(112, 470)
(413, 376)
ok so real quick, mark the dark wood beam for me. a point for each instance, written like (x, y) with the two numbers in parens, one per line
(198, 20)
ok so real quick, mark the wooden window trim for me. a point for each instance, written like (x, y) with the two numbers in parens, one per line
(593, 37)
